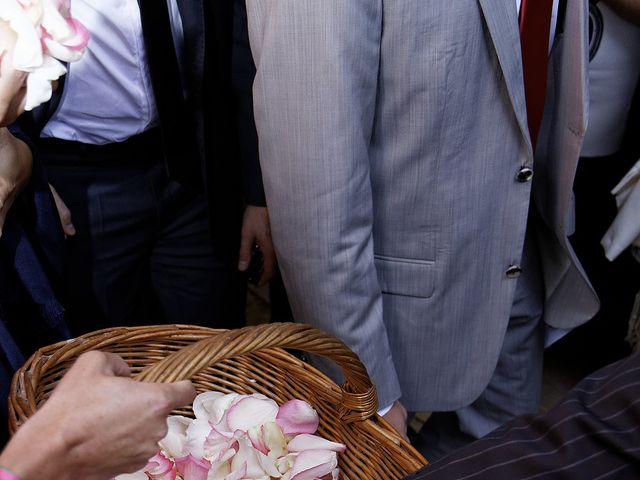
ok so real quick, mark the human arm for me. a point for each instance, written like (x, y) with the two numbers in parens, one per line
(97, 423)
(315, 95)
(15, 170)
(627, 9)
(255, 222)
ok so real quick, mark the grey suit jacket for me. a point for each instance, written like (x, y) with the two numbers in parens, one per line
(391, 136)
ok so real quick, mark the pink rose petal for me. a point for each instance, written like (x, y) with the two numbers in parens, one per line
(255, 435)
(305, 441)
(312, 464)
(196, 436)
(238, 474)
(251, 412)
(80, 38)
(160, 467)
(297, 416)
(219, 470)
(273, 439)
(174, 441)
(213, 405)
(192, 468)
(251, 459)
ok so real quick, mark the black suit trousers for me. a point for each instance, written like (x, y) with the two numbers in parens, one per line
(143, 252)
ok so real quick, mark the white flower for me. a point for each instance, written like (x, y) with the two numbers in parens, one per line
(245, 437)
(45, 35)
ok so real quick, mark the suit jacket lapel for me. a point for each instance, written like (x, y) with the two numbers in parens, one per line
(193, 18)
(502, 21)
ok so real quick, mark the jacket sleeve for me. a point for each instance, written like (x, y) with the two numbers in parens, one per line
(315, 95)
(242, 76)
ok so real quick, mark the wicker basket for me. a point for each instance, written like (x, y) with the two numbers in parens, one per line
(248, 360)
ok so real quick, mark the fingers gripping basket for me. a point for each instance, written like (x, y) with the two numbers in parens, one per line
(248, 360)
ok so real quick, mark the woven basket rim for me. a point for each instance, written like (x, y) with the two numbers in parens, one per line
(197, 348)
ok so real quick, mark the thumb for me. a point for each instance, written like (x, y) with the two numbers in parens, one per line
(245, 251)
(63, 212)
(116, 365)
(178, 394)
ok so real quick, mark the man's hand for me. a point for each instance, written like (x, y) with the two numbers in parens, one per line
(97, 424)
(255, 228)
(397, 417)
(64, 213)
(15, 170)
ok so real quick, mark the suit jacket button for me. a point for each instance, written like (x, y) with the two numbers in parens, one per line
(513, 271)
(525, 174)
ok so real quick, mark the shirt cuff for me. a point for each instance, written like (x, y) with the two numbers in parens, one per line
(383, 411)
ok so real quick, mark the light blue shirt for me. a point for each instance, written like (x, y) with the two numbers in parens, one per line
(108, 95)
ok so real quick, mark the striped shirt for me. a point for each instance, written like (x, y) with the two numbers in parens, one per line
(593, 433)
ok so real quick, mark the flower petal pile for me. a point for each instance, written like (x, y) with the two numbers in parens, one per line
(46, 35)
(243, 437)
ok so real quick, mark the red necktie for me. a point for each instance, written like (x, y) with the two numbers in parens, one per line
(535, 25)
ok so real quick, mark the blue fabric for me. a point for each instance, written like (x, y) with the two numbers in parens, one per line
(31, 246)
(30, 261)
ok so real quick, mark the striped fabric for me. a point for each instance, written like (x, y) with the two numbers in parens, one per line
(593, 433)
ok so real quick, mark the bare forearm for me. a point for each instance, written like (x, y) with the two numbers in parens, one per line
(34, 454)
(627, 9)
(15, 170)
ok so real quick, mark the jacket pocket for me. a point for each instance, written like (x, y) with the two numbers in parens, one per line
(405, 276)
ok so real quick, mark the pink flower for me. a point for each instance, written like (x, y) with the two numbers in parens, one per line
(297, 416)
(251, 411)
(160, 468)
(244, 437)
(304, 442)
(313, 464)
(192, 468)
(45, 35)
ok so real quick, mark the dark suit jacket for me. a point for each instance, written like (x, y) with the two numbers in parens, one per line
(592, 433)
(220, 128)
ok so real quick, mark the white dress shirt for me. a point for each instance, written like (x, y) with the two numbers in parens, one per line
(108, 95)
(613, 75)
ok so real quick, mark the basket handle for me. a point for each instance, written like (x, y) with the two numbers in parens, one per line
(358, 402)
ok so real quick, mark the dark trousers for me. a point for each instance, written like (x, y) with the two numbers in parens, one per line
(143, 252)
(593, 433)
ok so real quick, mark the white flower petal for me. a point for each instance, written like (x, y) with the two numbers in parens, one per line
(304, 441)
(255, 435)
(274, 440)
(174, 441)
(197, 434)
(238, 474)
(285, 463)
(250, 412)
(312, 464)
(39, 87)
(27, 52)
(54, 23)
(213, 405)
(62, 52)
(249, 457)
(219, 470)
